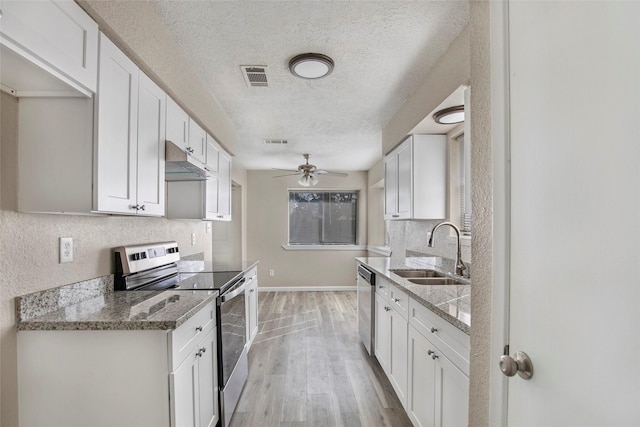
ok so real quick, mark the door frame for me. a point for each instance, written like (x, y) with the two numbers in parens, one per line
(500, 135)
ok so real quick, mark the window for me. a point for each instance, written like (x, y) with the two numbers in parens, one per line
(323, 217)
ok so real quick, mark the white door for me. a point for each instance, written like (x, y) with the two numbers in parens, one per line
(574, 264)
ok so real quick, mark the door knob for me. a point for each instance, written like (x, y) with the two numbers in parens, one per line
(520, 364)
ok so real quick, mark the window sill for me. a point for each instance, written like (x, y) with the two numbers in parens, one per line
(324, 248)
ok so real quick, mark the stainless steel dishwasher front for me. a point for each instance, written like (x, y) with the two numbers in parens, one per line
(366, 307)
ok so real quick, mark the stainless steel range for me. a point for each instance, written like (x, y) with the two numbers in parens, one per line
(157, 266)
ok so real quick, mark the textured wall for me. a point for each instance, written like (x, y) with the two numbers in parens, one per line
(450, 72)
(482, 201)
(29, 251)
(268, 201)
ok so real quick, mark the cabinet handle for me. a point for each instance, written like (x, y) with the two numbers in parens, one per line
(142, 207)
(133, 207)
(220, 216)
(380, 287)
(198, 328)
(433, 354)
(189, 150)
(201, 352)
(395, 216)
(387, 308)
(396, 300)
(252, 290)
(434, 330)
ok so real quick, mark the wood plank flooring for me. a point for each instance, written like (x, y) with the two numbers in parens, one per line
(308, 368)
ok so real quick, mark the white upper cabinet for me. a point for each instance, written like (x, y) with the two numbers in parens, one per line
(177, 125)
(197, 142)
(224, 187)
(151, 137)
(129, 153)
(46, 43)
(415, 179)
(213, 153)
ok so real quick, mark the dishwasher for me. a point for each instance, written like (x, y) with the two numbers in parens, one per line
(366, 282)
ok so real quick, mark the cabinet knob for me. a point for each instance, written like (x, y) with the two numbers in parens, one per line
(387, 308)
(433, 354)
(201, 352)
(396, 300)
(198, 328)
(395, 216)
(142, 207)
(380, 287)
(434, 330)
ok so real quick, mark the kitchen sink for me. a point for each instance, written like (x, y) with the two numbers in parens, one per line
(435, 281)
(417, 273)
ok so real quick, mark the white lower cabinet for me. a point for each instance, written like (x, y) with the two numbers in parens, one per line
(438, 363)
(425, 358)
(438, 392)
(142, 378)
(252, 304)
(194, 385)
(391, 340)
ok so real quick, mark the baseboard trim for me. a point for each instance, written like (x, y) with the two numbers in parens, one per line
(305, 288)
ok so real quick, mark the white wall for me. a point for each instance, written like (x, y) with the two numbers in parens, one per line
(267, 209)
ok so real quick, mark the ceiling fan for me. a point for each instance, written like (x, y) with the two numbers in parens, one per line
(308, 173)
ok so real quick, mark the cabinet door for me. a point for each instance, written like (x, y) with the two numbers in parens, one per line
(177, 125)
(117, 123)
(405, 172)
(151, 137)
(398, 355)
(391, 187)
(452, 394)
(224, 187)
(197, 142)
(184, 394)
(56, 35)
(211, 198)
(383, 333)
(208, 381)
(421, 392)
(252, 310)
(212, 155)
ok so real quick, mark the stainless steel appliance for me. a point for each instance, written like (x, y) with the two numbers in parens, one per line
(366, 307)
(157, 266)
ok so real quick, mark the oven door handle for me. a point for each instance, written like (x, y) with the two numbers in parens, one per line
(241, 286)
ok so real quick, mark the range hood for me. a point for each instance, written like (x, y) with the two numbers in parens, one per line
(180, 166)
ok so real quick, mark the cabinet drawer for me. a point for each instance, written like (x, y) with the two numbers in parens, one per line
(450, 340)
(382, 287)
(398, 299)
(251, 274)
(188, 335)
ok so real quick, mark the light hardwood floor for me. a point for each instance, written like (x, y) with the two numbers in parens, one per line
(308, 368)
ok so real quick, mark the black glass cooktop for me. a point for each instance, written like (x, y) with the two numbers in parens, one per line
(219, 280)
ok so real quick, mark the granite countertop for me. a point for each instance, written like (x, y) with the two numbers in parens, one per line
(451, 302)
(94, 305)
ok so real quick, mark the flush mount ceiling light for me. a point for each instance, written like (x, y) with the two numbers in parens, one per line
(450, 116)
(311, 65)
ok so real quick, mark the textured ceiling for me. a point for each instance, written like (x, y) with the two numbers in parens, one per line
(382, 50)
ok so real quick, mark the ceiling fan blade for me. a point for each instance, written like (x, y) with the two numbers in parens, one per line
(326, 172)
(285, 170)
(289, 174)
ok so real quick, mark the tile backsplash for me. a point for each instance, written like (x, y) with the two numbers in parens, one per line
(413, 235)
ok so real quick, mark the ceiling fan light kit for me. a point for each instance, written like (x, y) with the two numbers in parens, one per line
(311, 66)
(309, 173)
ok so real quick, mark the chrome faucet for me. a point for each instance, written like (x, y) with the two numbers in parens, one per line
(460, 267)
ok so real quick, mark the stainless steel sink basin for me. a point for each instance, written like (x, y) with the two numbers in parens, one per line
(435, 281)
(417, 273)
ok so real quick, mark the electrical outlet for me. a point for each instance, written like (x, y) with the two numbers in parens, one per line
(66, 249)
(208, 227)
(193, 239)
(272, 272)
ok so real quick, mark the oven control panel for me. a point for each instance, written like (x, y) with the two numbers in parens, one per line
(133, 259)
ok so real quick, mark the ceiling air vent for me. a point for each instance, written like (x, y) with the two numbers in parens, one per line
(276, 141)
(255, 75)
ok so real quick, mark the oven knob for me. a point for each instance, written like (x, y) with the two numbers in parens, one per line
(135, 257)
